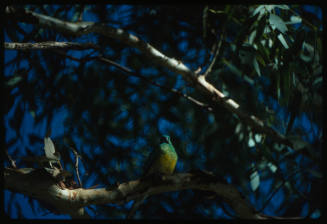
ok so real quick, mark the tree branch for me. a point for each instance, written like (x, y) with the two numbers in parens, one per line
(73, 201)
(199, 82)
(50, 45)
(76, 165)
(39, 184)
(217, 52)
(130, 72)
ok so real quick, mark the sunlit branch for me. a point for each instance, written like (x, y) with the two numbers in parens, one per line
(50, 45)
(130, 72)
(198, 82)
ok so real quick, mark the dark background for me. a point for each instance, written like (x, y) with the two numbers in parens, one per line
(114, 120)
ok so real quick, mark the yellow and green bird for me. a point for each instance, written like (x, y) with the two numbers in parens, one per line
(162, 160)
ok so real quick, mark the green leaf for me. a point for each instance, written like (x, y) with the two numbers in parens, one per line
(254, 180)
(32, 112)
(260, 29)
(294, 20)
(260, 9)
(14, 80)
(216, 11)
(283, 7)
(282, 40)
(261, 61)
(276, 22)
(256, 66)
(272, 167)
(278, 87)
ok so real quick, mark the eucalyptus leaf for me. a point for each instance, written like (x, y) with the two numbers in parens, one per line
(283, 7)
(276, 22)
(282, 40)
(50, 151)
(251, 142)
(254, 180)
(294, 20)
(298, 143)
(272, 167)
(14, 80)
(256, 66)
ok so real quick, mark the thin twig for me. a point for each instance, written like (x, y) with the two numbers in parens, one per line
(227, 212)
(130, 72)
(217, 51)
(284, 180)
(12, 162)
(76, 165)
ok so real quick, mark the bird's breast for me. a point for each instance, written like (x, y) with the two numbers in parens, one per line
(167, 163)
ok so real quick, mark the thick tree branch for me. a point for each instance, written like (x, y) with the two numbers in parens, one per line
(199, 82)
(37, 184)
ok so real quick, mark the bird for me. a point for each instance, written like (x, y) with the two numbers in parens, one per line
(162, 161)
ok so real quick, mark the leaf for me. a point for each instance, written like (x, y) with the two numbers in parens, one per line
(256, 66)
(258, 137)
(251, 142)
(260, 9)
(260, 29)
(49, 149)
(261, 61)
(32, 112)
(307, 52)
(294, 20)
(238, 128)
(278, 87)
(272, 167)
(282, 40)
(276, 22)
(252, 36)
(254, 180)
(14, 80)
(298, 143)
(283, 7)
(216, 11)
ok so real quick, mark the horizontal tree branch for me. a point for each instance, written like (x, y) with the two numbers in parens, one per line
(37, 184)
(50, 45)
(199, 82)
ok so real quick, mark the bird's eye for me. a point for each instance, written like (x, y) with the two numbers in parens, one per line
(164, 139)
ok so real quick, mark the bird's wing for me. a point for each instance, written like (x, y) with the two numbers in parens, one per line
(149, 162)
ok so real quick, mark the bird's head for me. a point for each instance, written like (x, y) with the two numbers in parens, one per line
(165, 139)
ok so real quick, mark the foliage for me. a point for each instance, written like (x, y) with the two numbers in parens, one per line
(270, 62)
